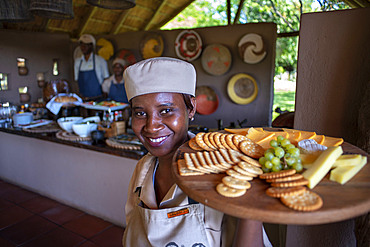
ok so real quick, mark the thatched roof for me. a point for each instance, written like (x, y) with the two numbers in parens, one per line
(146, 15)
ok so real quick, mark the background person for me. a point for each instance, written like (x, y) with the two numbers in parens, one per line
(114, 87)
(90, 69)
(161, 92)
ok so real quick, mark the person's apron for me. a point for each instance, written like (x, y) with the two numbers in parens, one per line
(88, 81)
(181, 226)
(117, 92)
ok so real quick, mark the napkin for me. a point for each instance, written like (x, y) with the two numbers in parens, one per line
(54, 107)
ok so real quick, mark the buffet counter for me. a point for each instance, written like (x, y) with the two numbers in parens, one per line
(91, 177)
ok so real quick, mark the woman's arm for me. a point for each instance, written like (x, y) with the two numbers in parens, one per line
(248, 233)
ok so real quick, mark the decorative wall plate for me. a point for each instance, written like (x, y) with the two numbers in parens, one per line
(127, 55)
(207, 100)
(251, 48)
(216, 59)
(105, 48)
(188, 45)
(242, 89)
(151, 46)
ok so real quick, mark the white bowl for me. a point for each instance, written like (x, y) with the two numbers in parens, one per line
(67, 122)
(85, 126)
(22, 118)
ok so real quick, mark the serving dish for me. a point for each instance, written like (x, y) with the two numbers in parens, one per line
(67, 122)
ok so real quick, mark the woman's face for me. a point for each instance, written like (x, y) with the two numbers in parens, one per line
(86, 48)
(160, 121)
(118, 69)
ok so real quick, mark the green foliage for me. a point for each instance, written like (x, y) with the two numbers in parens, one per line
(285, 100)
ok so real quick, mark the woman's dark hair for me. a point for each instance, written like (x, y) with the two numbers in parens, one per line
(187, 100)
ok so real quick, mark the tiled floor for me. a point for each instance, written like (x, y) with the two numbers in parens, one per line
(28, 219)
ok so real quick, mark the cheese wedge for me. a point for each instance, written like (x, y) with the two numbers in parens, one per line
(332, 141)
(309, 158)
(319, 139)
(322, 165)
(344, 173)
(306, 135)
(258, 136)
(347, 160)
(243, 131)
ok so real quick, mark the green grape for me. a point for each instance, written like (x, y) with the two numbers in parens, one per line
(290, 146)
(274, 143)
(298, 167)
(287, 155)
(269, 156)
(294, 152)
(280, 139)
(299, 160)
(268, 164)
(290, 161)
(275, 161)
(277, 168)
(265, 170)
(285, 142)
(279, 152)
(270, 150)
(262, 160)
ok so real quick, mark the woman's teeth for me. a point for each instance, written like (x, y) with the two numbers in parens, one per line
(157, 139)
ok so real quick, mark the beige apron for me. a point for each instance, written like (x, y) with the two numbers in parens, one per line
(181, 226)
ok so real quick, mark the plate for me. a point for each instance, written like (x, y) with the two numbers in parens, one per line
(106, 49)
(207, 100)
(216, 59)
(104, 108)
(251, 48)
(151, 46)
(188, 45)
(126, 55)
(242, 89)
(341, 202)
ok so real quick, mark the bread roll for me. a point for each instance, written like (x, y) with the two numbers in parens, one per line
(65, 99)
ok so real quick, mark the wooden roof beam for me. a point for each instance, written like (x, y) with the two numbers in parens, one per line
(86, 19)
(237, 16)
(157, 11)
(121, 19)
(170, 17)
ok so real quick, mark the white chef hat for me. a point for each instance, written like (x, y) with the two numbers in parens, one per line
(87, 38)
(160, 74)
(120, 61)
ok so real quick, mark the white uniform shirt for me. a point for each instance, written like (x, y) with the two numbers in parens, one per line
(101, 67)
(107, 83)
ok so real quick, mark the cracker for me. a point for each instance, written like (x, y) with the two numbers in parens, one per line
(207, 141)
(234, 155)
(210, 162)
(244, 172)
(250, 168)
(251, 149)
(250, 160)
(298, 182)
(211, 139)
(279, 174)
(221, 160)
(217, 140)
(184, 170)
(230, 143)
(227, 191)
(223, 141)
(235, 174)
(279, 192)
(285, 179)
(237, 139)
(197, 164)
(201, 143)
(236, 183)
(193, 145)
(217, 163)
(226, 156)
(306, 201)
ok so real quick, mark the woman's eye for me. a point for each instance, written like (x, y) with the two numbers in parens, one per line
(164, 111)
(140, 114)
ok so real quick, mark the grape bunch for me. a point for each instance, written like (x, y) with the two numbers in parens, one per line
(281, 156)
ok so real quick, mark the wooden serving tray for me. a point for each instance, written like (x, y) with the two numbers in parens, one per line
(341, 202)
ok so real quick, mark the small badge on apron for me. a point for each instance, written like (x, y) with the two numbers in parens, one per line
(178, 213)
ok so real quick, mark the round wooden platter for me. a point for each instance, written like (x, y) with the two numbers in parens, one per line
(341, 202)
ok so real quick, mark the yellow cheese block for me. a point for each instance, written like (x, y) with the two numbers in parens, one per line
(347, 160)
(309, 158)
(332, 141)
(322, 165)
(344, 173)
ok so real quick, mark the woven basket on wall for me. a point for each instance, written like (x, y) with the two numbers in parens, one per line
(53, 9)
(15, 10)
(113, 4)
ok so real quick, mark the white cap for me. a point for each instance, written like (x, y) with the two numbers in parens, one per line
(160, 74)
(87, 38)
(120, 61)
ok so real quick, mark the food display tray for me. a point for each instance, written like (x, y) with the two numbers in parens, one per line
(341, 202)
(104, 108)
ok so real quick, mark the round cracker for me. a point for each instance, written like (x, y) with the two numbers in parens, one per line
(285, 179)
(237, 139)
(244, 172)
(295, 183)
(211, 139)
(238, 175)
(201, 143)
(236, 183)
(207, 141)
(250, 168)
(251, 149)
(230, 143)
(279, 192)
(223, 141)
(193, 145)
(250, 160)
(216, 138)
(227, 191)
(306, 201)
(279, 174)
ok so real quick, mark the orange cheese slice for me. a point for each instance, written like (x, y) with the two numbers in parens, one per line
(257, 136)
(243, 131)
(265, 143)
(319, 139)
(332, 141)
(306, 135)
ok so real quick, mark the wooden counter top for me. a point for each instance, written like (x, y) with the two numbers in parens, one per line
(101, 147)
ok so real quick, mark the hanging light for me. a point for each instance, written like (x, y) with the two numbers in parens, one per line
(52, 9)
(113, 4)
(15, 10)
